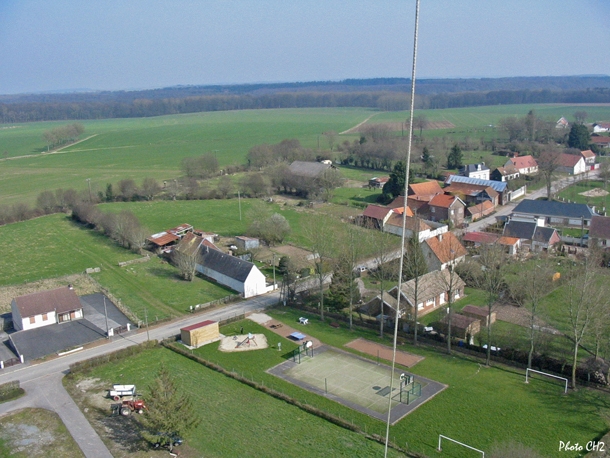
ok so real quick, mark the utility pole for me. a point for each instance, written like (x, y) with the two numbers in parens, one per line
(239, 203)
(146, 321)
(273, 270)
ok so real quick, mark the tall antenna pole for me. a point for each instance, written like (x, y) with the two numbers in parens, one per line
(404, 224)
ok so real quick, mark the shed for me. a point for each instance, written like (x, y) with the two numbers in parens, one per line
(480, 313)
(462, 327)
(246, 243)
(200, 334)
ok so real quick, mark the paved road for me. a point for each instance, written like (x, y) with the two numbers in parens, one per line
(42, 381)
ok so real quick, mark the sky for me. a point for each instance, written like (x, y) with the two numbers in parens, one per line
(65, 45)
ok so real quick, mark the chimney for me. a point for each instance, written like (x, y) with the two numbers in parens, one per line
(440, 237)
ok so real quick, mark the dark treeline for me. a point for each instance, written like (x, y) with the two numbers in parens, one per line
(360, 93)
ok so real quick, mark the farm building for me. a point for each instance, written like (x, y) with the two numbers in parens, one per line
(462, 327)
(480, 313)
(239, 275)
(432, 291)
(442, 251)
(571, 164)
(378, 182)
(246, 243)
(200, 333)
(45, 308)
(559, 213)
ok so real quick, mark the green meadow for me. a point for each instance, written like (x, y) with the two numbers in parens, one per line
(482, 407)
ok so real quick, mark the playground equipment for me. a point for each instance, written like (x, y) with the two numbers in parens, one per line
(306, 347)
(249, 340)
(410, 388)
(118, 391)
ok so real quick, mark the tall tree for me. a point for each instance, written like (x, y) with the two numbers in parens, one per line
(548, 163)
(493, 263)
(581, 301)
(455, 157)
(527, 289)
(414, 266)
(579, 137)
(395, 186)
(170, 410)
(321, 237)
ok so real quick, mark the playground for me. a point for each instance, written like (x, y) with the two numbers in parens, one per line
(243, 342)
(357, 382)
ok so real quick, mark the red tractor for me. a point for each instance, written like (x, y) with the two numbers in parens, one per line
(126, 407)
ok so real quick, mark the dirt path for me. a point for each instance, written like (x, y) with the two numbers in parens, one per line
(55, 151)
(354, 129)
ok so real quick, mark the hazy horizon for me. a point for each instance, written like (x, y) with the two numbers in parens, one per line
(66, 46)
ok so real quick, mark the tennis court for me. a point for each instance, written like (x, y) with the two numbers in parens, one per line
(358, 382)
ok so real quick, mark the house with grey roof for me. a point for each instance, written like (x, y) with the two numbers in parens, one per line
(553, 213)
(599, 231)
(479, 170)
(46, 307)
(235, 273)
(537, 237)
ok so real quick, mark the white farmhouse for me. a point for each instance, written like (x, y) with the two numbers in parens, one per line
(45, 308)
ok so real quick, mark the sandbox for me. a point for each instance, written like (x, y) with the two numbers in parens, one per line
(243, 342)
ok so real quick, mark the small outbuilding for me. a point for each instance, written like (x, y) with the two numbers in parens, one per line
(462, 327)
(480, 313)
(200, 334)
(246, 243)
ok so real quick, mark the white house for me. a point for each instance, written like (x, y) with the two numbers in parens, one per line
(442, 251)
(572, 164)
(526, 165)
(239, 275)
(479, 170)
(601, 127)
(45, 308)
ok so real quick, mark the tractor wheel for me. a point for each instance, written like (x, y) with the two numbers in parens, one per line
(125, 411)
(117, 398)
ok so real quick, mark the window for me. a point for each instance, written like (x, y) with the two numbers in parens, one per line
(32, 319)
(45, 317)
(432, 210)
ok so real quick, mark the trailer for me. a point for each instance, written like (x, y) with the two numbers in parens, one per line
(118, 391)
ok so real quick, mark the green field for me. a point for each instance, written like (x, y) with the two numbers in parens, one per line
(153, 147)
(482, 406)
(236, 420)
(573, 194)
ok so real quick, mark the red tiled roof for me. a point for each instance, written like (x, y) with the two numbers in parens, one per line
(568, 160)
(210, 245)
(163, 238)
(505, 240)
(376, 211)
(427, 188)
(198, 325)
(480, 237)
(602, 140)
(587, 153)
(396, 220)
(447, 249)
(481, 209)
(523, 162)
(60, 300)
(399, 210)
(443, 200)
(182, 228)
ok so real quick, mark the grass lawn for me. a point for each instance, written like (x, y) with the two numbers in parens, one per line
(36, 432)
(56, 246)
(236, 420)
(573, 193)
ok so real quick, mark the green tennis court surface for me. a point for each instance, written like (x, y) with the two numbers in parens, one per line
(358, 382)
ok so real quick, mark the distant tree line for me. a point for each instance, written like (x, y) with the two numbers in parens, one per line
(52, 110)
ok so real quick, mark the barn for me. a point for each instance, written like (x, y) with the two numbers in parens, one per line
(200, 334)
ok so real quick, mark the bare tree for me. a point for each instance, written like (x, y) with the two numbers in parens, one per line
(150, 188)
(548, 163)
(420, 122)
(527, 289)
(321, 237)
(185, 257)
(331, 137)
(580, 116)
(493, 262)
(414, 266)
(581, 302)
